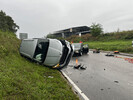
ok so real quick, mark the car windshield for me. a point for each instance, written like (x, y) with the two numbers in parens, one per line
(77, 45)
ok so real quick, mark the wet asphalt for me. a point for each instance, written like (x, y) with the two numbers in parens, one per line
(105, 78)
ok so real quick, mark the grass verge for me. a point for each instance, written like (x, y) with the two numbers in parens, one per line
(120, 45)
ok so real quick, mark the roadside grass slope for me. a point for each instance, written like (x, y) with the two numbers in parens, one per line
(21, 79)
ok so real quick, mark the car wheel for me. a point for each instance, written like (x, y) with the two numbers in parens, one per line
(80, 53)
(86, 52)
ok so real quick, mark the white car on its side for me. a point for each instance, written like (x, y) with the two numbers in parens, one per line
(49, 52)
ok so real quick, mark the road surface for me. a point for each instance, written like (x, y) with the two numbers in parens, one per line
(105, 78)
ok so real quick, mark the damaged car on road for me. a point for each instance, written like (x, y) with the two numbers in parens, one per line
(49, 52)
(80, 48)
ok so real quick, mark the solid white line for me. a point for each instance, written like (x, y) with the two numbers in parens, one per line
(76, 87)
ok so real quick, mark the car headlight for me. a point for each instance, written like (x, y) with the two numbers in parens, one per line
(56, 66)
(76, 51)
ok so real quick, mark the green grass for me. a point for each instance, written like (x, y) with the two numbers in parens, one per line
(120, 45)
(121, 41)
(21, 79)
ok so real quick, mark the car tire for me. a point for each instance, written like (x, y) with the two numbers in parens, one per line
(86, 52)
(80, 53)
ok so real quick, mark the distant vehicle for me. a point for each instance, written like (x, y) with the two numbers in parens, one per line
(80, 48)
(49, 52)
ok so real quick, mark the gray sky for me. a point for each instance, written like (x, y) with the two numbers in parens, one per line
(40, 17)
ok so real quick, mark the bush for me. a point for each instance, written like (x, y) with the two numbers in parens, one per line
(96, 29)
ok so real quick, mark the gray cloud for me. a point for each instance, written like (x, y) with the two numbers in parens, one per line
(39, 17)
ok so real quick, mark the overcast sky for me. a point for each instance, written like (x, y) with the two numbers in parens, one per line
(40, 17)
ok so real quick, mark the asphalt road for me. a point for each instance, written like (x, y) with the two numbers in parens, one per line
(105, 78)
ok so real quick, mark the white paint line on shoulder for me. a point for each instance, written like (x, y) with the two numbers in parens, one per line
(76, 87)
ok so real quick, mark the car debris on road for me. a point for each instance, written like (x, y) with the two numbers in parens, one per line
(96, 51)
(80, 48)
(130, 60)
(77, 66)
(116, 81)
(80, 66)
(110, 54)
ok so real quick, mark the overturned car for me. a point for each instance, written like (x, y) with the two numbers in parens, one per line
(50, 52)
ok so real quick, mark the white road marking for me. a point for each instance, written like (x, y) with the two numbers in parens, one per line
(76, 87)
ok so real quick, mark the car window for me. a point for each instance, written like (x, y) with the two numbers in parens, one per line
(41, 51)
(77, 45)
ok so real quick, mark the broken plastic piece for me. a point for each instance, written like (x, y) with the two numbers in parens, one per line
(77, 66)
(109, 54)
(82, 67)
(96, 51)
(116, 81)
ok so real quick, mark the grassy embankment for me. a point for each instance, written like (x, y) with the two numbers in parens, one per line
(20, 79)
(121, 41)
(120, 45)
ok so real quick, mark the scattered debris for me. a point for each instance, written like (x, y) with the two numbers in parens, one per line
(109, 54)
(118, 57)
(116, 52)
(130, 60)
(102, 89)
(77, 66)
(80, 66)
(96, 51)
(116, 81)
(76, 92)
(83, 67)
(104, 69)
(108, 88)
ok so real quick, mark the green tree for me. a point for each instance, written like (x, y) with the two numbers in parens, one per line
(96, 29)
(7, 23)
